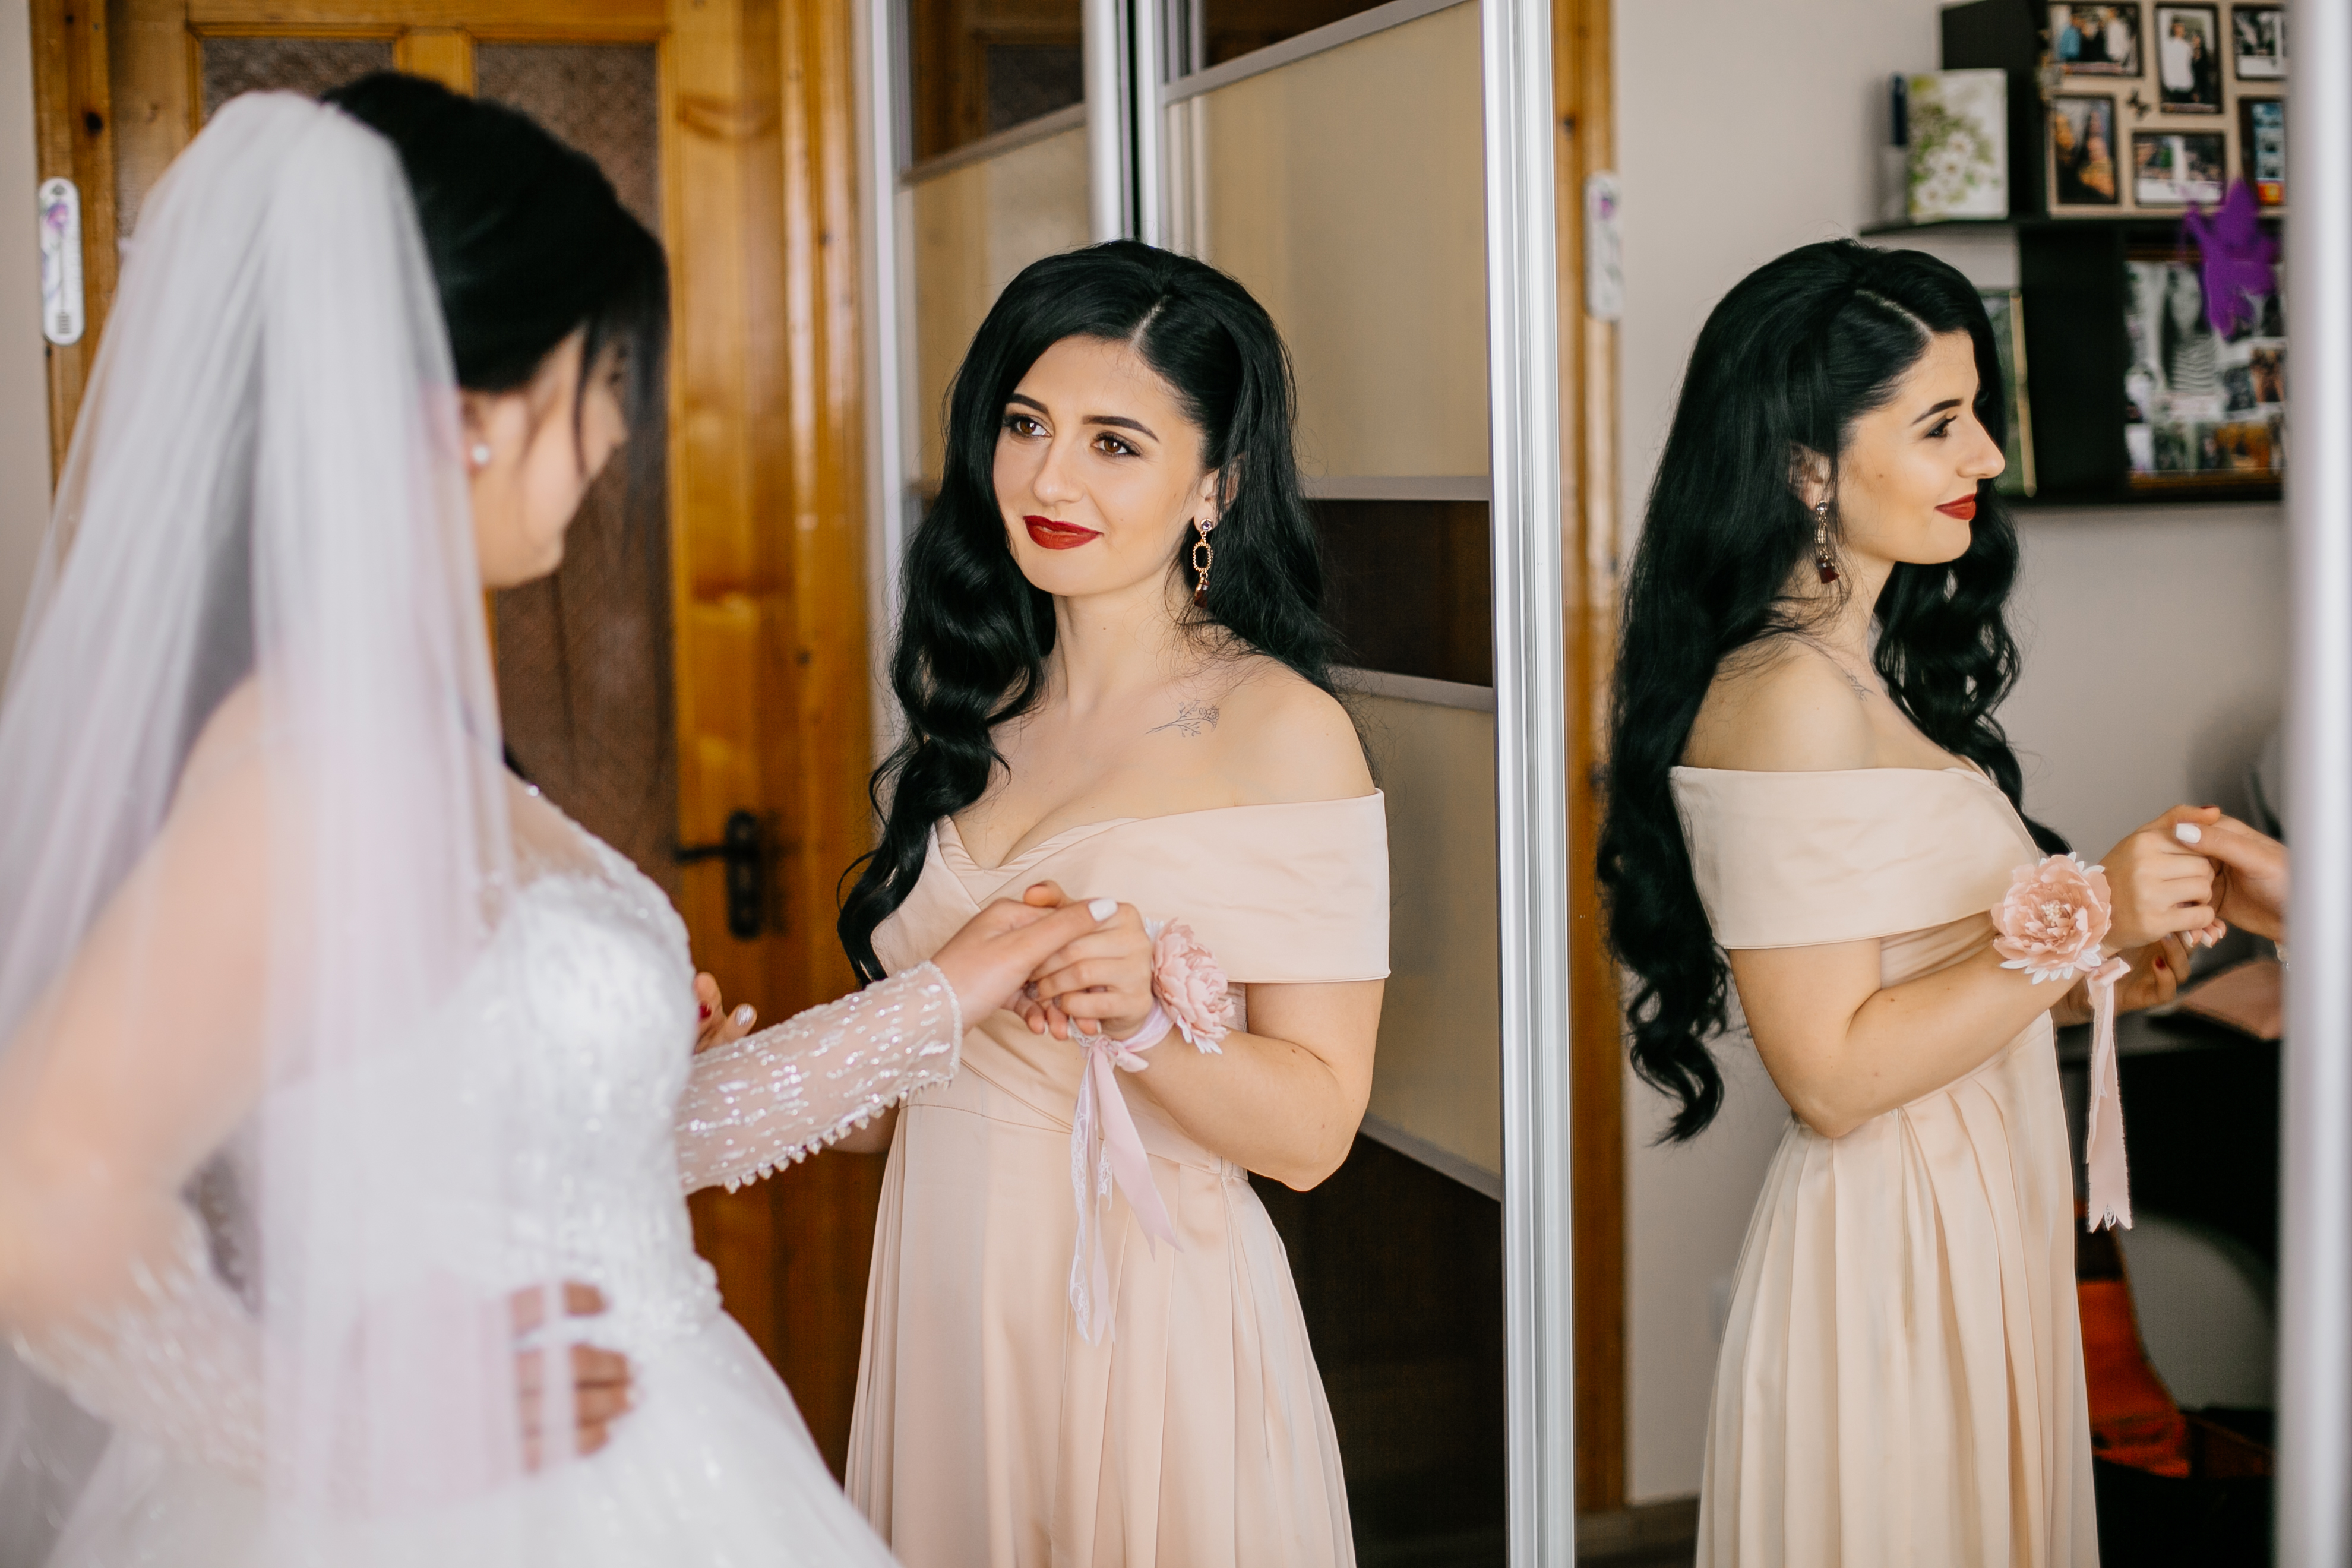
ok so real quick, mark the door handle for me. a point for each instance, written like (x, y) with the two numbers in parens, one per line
(742, 846)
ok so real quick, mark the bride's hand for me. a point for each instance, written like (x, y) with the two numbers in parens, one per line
(601, 1384)
(1099, 984)
(2157, 973)
(719, 1027)
(1008, 942)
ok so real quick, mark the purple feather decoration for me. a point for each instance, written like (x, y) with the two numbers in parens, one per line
(2238, 258)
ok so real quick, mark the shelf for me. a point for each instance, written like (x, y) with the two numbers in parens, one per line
(2088, 223)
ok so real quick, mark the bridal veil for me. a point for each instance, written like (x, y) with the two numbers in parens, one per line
(220, 1229)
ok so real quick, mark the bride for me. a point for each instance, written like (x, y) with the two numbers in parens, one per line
(345, 1085)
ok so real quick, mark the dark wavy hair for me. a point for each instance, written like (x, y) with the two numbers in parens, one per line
(527, 238)
(1794, 354)
(974, 634)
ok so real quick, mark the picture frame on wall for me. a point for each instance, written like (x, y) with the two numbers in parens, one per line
(2005, 308)
(2258, 42)
(2174, 168)
(1956, 165)
(2095, 40)
(2261, 148)
(2082, 165)
(2188, 60)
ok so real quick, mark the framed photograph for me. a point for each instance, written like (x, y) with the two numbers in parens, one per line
(2095, 40)
(2173, 168)
(2083, 151)
(2006, 310)
(2188, 60)
(2259, 34)
(2261, 148)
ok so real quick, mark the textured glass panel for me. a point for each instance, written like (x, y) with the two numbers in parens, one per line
(1346, 190)
(974, 228)
(311, 66)
(585, 656)
(603, 99)
(978, 67)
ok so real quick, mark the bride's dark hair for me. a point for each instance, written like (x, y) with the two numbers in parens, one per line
(527, 238)
(1794, 354)
(974, 636)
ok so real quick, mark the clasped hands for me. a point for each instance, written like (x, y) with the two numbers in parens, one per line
(1063, 965)
(2177, 883)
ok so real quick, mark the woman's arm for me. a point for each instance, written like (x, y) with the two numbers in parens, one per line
(1842, 1049)
(756, 1103)
(1285, 1098)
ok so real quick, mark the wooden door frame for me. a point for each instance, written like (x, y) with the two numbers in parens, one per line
(1584, 121)
(765, 474)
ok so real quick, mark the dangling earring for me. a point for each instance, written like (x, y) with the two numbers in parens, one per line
(1203, 557)
(1823, 561)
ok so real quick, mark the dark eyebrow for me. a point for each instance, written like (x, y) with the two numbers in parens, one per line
(1113, 420)
(1119, 421)
(1949, 404)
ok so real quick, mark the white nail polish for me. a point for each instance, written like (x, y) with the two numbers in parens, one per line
(744, 1014)
(2189, 833)
(1102, 909)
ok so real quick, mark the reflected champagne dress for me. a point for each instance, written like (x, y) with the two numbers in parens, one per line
(989, 1433)
(1901, 1378)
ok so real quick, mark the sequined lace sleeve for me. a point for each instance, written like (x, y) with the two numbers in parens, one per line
(775, 1097)
(178, 1360)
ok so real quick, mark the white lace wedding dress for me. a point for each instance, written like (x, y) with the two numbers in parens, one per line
(581, 1016)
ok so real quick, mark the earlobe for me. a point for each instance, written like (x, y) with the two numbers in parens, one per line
(1809, 477)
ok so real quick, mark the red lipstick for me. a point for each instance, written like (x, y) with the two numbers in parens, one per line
(1046, 534)
(1965, 509)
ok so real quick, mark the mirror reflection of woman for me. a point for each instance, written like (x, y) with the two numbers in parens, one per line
(1811, 804)
(1113, 668)
(277, 930)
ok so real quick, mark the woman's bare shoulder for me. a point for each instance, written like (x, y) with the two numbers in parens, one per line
(1779, 705)
(1283, 739)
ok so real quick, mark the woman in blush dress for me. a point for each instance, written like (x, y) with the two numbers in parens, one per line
(282, 943)
(1113, 669)
(1809, 798)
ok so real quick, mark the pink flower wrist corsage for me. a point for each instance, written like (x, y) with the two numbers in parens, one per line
(2056, 915)
(1189, 984)
(2051, 925)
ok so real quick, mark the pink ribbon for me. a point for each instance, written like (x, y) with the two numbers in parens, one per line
(1105, 1151)
(2103, 1139)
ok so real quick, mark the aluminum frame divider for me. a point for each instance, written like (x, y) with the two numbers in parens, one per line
(1530, 778)
(2314, 1475)
(1147, 22)
(1105, 23)
(876, 55)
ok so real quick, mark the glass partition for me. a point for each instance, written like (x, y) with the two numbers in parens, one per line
(976, 225)
(1347, 190)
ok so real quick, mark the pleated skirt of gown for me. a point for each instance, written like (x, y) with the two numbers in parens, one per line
(989, 1434)
(1901, 1379)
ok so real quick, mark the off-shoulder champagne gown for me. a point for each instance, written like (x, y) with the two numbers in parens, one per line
(1901, 1379)
(989, 1433)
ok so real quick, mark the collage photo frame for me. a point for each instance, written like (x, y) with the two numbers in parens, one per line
(2155, 108)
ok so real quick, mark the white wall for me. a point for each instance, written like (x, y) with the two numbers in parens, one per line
(24, 372)
(2154, 638)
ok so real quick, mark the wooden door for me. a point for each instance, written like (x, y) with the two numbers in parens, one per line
(697, 657)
